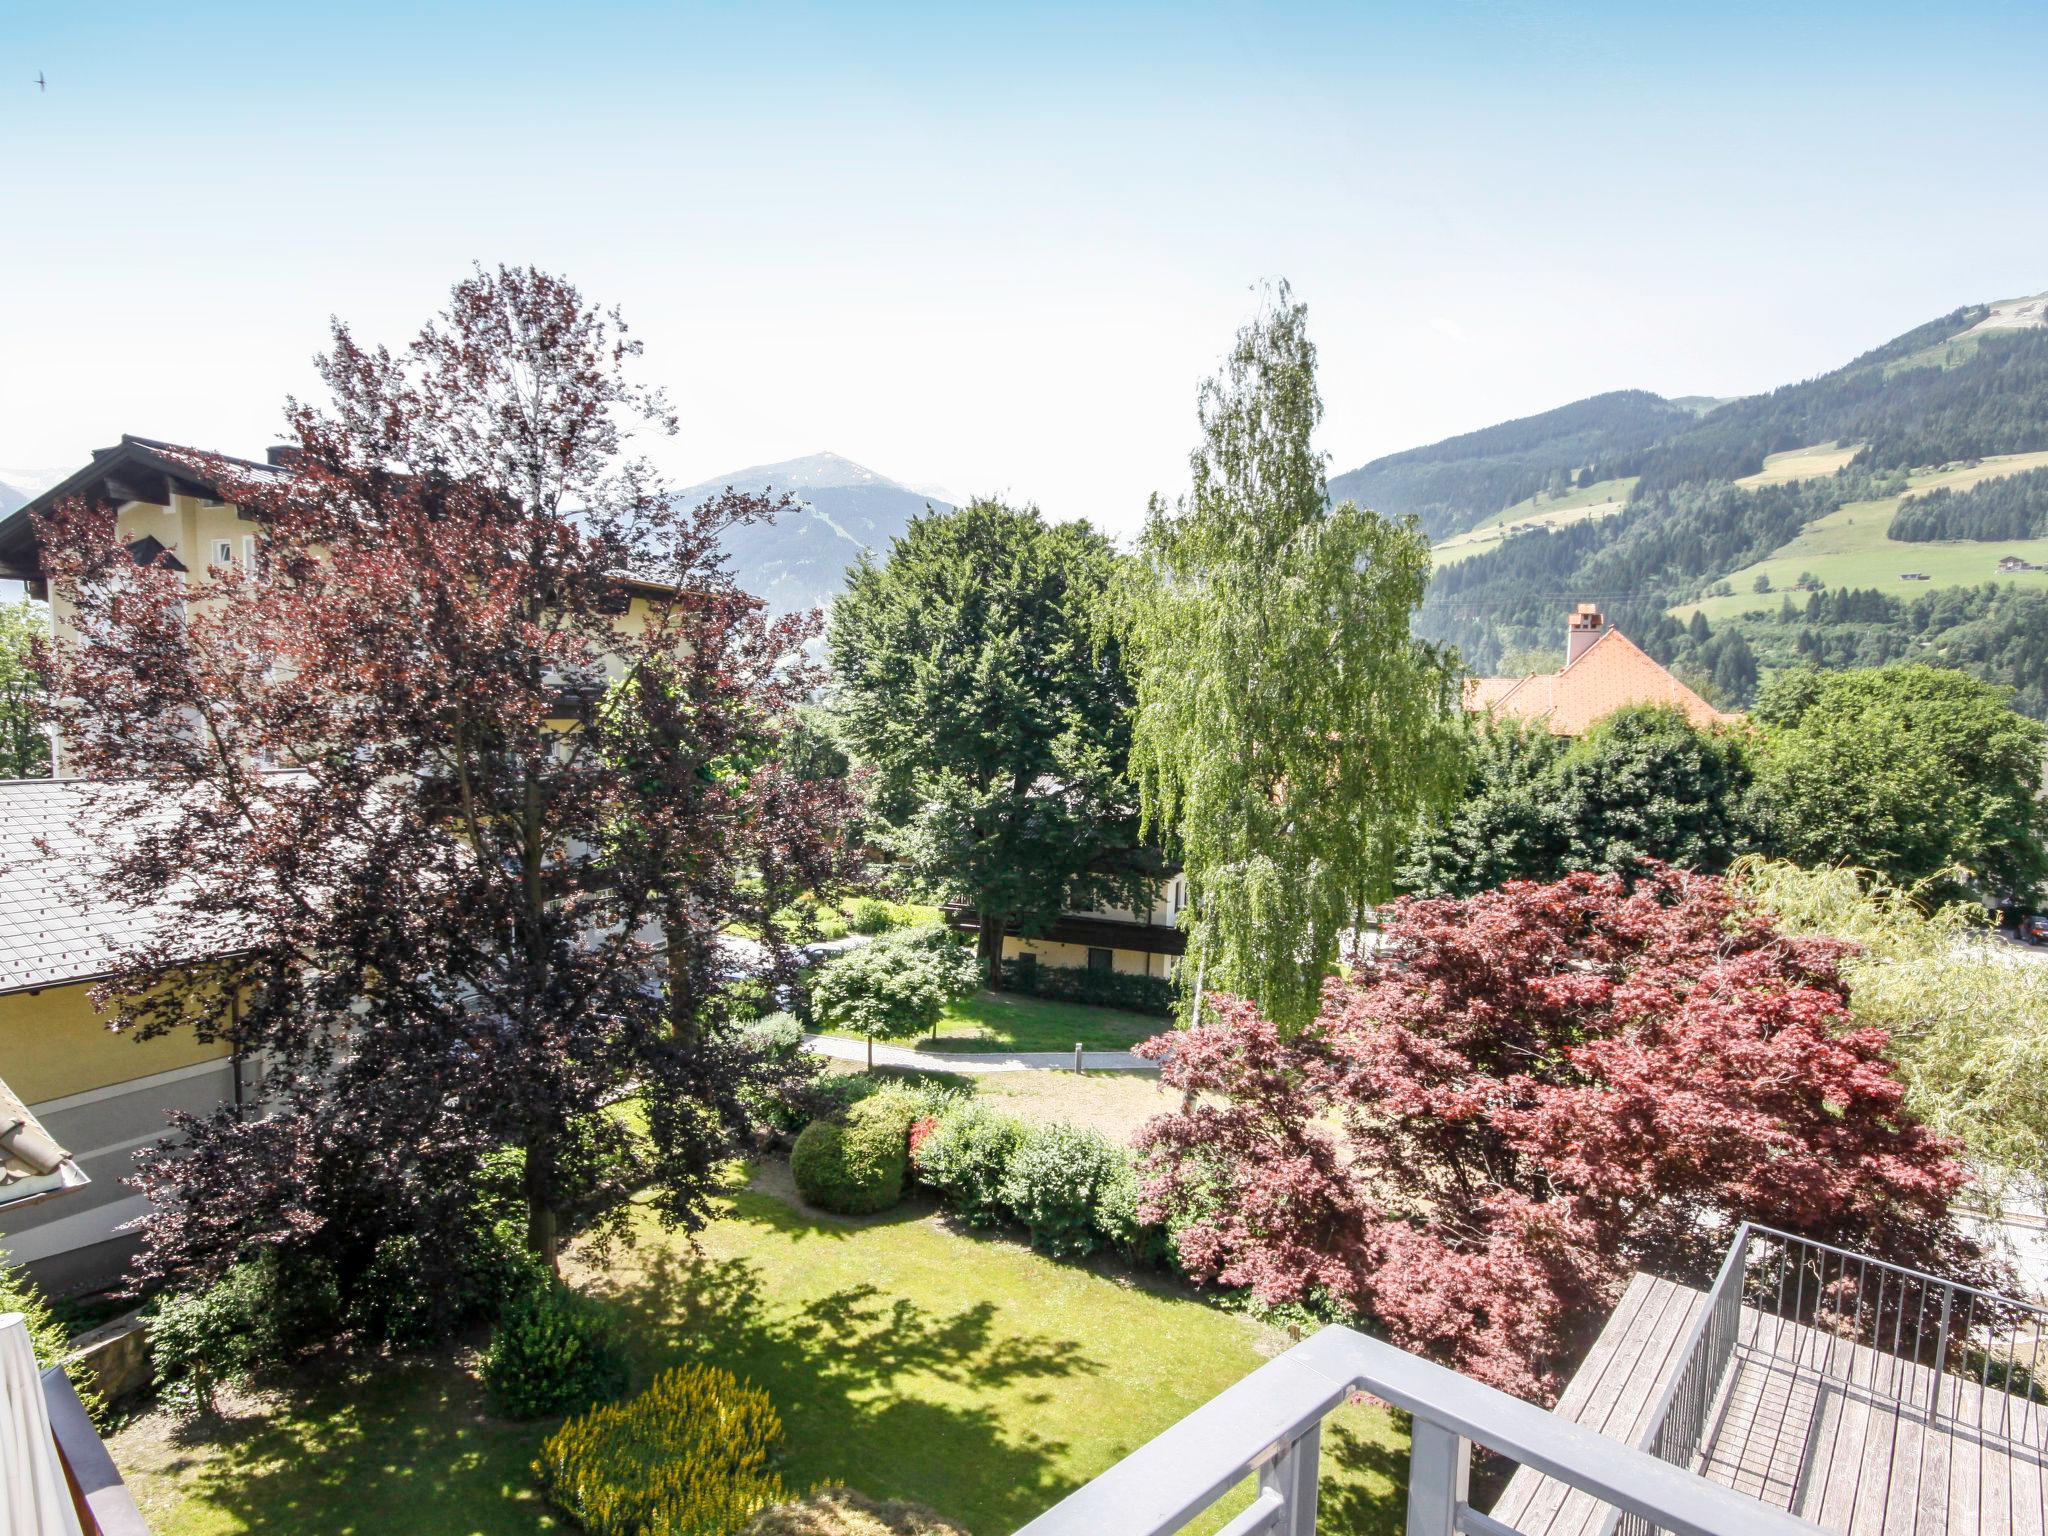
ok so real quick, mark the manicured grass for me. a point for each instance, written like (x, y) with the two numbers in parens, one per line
(399, 1446)
(909, 1360)
(1004, 1021)
(1849, 548)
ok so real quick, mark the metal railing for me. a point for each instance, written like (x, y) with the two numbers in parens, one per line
(1269, 1425)
(1930, 1347)
(1678, 1422)
(1901, 1338)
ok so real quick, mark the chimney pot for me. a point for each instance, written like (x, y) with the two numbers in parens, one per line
(1581, 630)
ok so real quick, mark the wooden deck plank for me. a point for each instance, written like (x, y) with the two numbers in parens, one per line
(1612, 1393)
(1808, 1421)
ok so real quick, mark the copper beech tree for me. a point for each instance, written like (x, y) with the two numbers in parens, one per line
(1520, 1098)
(468, 776)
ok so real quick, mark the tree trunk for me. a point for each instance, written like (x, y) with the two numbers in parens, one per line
(990, 949)
(541, 1235)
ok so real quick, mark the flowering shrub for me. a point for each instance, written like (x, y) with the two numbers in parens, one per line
(965, 1159)
(1054, 1184)
(688, 1457)
(1521, 1097)
(553, 1352)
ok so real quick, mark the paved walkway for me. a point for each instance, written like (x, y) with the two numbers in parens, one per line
(975, 1061)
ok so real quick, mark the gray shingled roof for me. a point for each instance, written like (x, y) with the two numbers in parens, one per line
(51, 929)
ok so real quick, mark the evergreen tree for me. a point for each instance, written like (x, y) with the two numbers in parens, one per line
(1290, 728)
(996, 718)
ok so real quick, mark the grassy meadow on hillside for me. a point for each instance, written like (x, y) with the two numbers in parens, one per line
(1603, 498)
(1849, 548)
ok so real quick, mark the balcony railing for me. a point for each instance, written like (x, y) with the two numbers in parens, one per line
(1269, 1426)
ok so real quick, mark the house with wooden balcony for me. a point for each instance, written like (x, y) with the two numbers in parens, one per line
(1808, 1389)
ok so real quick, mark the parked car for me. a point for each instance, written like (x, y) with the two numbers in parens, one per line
(2034, 930)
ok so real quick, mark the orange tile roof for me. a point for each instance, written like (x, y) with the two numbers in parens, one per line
(1611, 673)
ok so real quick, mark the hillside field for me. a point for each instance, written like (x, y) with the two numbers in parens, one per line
(1849, 548)
(1603, 498)
(1815, 463)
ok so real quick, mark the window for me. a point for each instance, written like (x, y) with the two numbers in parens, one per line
(223, 552)
(1180, 895)
(249, 553)
(1101, 959)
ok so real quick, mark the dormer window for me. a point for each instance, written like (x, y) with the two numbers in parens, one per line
(149, 550)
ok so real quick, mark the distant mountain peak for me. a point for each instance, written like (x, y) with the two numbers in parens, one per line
(844, 509)
(824, 470)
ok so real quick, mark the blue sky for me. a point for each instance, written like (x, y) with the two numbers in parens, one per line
(997, 247)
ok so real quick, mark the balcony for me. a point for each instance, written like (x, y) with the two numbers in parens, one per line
(1809, 1389)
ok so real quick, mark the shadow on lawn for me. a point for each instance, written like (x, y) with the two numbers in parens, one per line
(895, 1399)
(401, 1446)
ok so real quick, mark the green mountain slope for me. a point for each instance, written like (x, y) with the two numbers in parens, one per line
(1455, 484)
(1792, 489)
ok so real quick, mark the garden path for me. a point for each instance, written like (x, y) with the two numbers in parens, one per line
(903, 1057)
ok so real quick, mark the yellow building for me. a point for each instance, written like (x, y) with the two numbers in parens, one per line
(101, 1094)
(1133, 943)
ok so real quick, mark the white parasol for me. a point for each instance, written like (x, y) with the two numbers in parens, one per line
(35, 1499)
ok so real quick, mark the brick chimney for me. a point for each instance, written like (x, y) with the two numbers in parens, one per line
(1581, 630)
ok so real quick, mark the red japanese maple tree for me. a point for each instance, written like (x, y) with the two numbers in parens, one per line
(1521, 1097)
(469, 774)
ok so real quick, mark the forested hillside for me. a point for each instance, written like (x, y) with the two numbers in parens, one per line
(1940, 435)
(1453, 484)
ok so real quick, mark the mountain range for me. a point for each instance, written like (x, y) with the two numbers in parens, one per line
(842, 509)
(1731, 537)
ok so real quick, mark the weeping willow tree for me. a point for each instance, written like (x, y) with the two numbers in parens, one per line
(1290, 729)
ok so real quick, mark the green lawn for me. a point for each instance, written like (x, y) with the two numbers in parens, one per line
(963, 1372)
(1004, 1021)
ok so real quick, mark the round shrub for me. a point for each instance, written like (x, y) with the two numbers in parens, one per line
(842, 1512)
(687, 1457)
(856, 1164)
(1054, 1184)
(553, 1352)
(966, 1158)
(864, 914)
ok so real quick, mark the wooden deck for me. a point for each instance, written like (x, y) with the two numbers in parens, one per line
(1839, 1434)
(1612, 1392)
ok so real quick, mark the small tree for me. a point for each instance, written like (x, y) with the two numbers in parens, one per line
(24, 749)
(1519, 1098)
(895, 987)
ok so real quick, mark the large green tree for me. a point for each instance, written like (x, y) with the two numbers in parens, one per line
(978, 687)
(1290, 728)
(1909, 771)
(1643, 784)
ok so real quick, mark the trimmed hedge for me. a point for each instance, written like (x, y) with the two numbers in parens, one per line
(1152, 995)
(1055, 1183)
(856, 1165)
(687, 1457)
